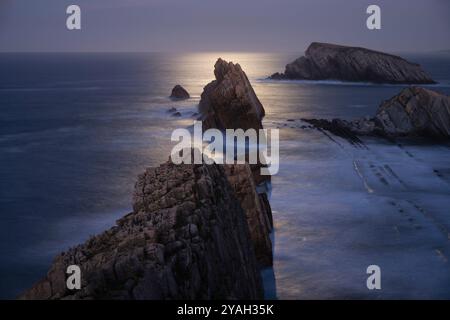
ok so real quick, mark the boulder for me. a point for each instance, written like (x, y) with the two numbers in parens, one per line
(324, 61)
(229, 102)
(187, 238)
(178, 92)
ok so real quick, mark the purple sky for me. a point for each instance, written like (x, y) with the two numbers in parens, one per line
(228, 25)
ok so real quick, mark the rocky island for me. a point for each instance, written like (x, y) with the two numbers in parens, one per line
(324, 61)
(413, 112)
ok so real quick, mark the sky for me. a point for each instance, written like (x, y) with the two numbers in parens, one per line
(222, 25)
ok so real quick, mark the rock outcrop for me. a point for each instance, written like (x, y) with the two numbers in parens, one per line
(178, 92)
(324, 61)
(413, 112)
(187, 238)
(416, 111)
(229, 102)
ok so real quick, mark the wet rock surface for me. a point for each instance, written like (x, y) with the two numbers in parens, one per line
(325, 61)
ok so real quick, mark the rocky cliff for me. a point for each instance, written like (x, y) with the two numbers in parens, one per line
(229, 102)
(187, 238)
(324, 61)
(257, 210)
(413, 112)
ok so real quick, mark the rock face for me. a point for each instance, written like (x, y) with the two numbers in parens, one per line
(178, 92)
(414, 112)
(229, 102)
(257, 210)
(187, 238)
(324, 61)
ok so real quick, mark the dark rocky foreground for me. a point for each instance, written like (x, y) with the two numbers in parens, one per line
(413, 112)
(324, 61)
(187, 238)
(196, 231)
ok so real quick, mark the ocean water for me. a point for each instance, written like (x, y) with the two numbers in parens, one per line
(76, 130)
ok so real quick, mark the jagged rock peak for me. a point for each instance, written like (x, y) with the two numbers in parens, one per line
(229, 102)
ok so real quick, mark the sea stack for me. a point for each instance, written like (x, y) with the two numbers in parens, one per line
(229, 102)
(197, 231)
(180, 93)
(187, 238)
(325, 61)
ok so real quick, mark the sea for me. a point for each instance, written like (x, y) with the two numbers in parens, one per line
(77, 128)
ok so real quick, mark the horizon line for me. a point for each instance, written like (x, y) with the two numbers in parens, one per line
(202, 51)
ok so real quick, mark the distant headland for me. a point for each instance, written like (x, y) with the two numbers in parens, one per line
(325, 61)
